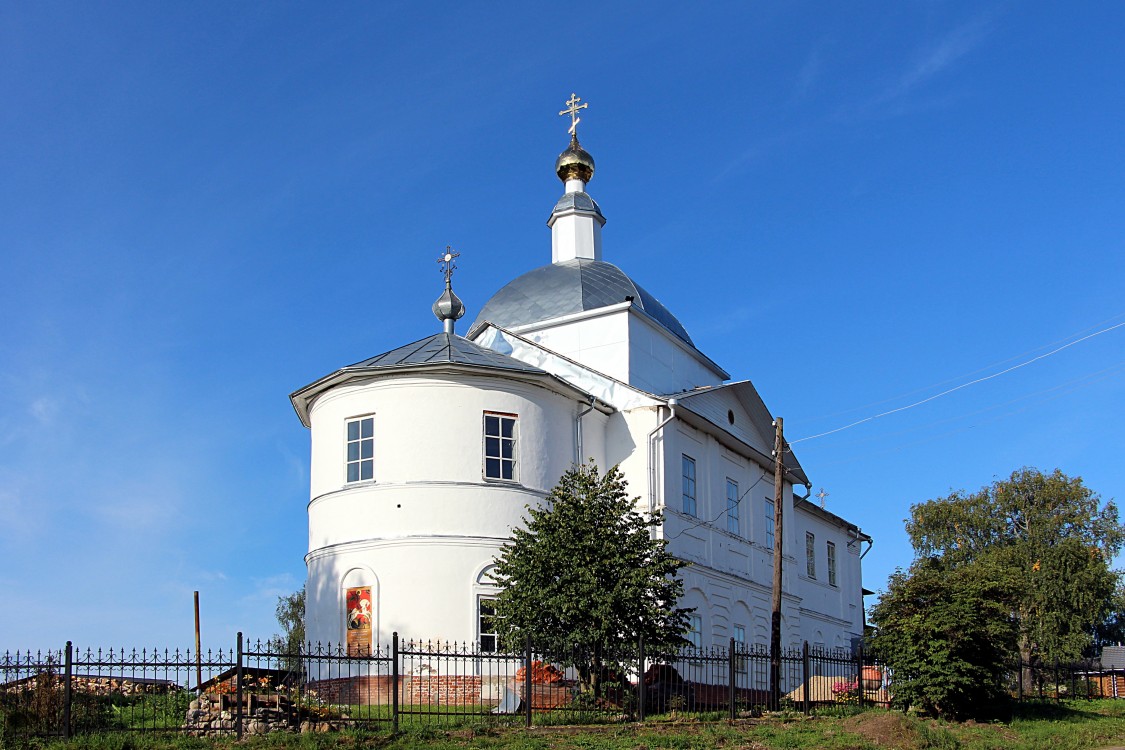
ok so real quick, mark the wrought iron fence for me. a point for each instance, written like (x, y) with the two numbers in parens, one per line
(258, 687)
(1042, 680)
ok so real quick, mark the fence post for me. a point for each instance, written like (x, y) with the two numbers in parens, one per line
(805, 676)
(641, 679)
(238, 690)
(527, 679)
(394, 682)
(731, 680)
(68, 689)
(859, 674)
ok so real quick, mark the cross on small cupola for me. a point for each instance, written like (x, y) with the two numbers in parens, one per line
(449, 308)
(448, 263)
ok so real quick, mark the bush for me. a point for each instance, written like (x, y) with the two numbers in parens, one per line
(948, 637)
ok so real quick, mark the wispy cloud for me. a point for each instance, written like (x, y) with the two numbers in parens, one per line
(939, 56)
(45, 409)
(807, 76)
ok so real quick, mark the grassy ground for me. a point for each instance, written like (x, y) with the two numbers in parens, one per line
(1070, 726)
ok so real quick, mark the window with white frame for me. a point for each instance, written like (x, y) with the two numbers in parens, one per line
(769, 523)
(732, 506)
(810, 554)
(689, 485)
(486, 624)
(500, 459)
(831, 563)
(695, 630)
(740, 648)
(360, 462)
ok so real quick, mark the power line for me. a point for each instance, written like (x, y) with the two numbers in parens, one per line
(712, 521)
(960, 387)
(956, 378)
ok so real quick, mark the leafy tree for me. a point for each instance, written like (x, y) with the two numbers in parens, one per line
(585, 579)
(290, 614)
(1054, 540)
(1111, 630)
(949, 636)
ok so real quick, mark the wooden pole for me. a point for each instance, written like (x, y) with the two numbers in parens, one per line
(198, 658)
(778, 547)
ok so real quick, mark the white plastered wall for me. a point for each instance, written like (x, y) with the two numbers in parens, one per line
(429, 522)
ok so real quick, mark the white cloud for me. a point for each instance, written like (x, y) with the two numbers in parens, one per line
(45, 409)
(941, 55)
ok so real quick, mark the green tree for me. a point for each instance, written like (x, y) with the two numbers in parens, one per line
(290, 614)
(585, 578)
(1111, 630)
(1054, 539)
(949, 637)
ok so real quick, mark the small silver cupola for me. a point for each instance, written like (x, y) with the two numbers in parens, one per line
(449, 308)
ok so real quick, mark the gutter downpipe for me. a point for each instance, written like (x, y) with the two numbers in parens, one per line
(672, 403)
(578, 461)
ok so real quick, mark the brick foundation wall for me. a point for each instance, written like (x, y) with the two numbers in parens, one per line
(447, 690)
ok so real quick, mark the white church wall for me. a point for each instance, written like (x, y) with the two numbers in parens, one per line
(737, 568)
(429, 518)
(426, 589)
(660, 363)
(825, 606)
(599, 340)
(418, 418)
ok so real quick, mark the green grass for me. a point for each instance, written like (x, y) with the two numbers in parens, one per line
(1071, 725)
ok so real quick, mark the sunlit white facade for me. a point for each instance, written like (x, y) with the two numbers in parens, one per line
(424, 458)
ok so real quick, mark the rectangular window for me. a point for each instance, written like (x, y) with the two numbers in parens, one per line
(500, 446)
(361, 449)
(810, 554)
(740, 648)
(486, 624)
(831, 563)
(769, 523)
(732, 506)
(689, 485)
(695, 630)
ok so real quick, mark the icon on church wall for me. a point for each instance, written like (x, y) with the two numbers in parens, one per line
(360, 613)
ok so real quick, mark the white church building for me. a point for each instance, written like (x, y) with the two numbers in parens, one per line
(424, 457)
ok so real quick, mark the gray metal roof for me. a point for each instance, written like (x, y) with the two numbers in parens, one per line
(578, 201)
(445, 348)
(570, 287)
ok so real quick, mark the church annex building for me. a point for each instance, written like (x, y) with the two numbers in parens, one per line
(569, 362)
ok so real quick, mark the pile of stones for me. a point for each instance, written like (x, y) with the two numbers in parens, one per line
(214, 714)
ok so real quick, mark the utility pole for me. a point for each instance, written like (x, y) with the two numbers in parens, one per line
(778, 537)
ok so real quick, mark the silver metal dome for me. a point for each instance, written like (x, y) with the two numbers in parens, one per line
(570, 287)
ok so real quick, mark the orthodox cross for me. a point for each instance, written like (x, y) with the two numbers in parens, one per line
(572, 107)
(448, 263)
(821, 495)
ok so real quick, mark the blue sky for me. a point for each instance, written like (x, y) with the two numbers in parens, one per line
(206, 206)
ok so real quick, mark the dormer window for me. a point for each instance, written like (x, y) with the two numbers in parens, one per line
(360, 462)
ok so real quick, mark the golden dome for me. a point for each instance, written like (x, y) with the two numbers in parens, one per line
(575, 163)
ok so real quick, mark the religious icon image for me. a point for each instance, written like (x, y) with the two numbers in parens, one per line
(360, 614)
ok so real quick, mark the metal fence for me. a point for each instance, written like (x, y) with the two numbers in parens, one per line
(258, 687)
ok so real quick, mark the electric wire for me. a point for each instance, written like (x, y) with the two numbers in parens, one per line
(956, 378)
(710, 522)
(959, 387)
